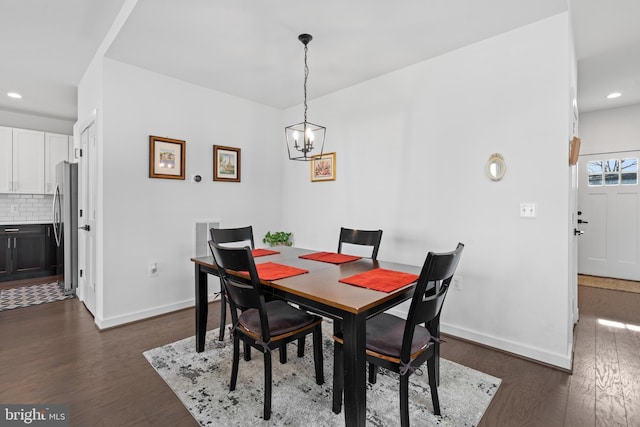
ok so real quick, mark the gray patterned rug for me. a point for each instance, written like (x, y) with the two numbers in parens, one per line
(26, 296)
(201, 381)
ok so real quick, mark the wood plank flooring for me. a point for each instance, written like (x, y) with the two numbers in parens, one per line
(53, 353)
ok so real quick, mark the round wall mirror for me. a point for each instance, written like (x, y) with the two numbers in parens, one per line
(496, 167)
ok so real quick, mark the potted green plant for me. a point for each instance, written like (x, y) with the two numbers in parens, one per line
(278, 238)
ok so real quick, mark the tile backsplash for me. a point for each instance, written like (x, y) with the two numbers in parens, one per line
(26, 208)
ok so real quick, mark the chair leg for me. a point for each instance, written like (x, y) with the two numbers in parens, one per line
(283, 354)
(436, 361)
(267, 385)
(235, 362)
(338, 378)
(247, 351)
(373, 373)
(223, 314)
(301, 344)
(317, 354)
(404, 400)
(433, 384)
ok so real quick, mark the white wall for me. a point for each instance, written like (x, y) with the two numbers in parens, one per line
(411, 152)
(147, 219)
(605, 131)
(412, 148)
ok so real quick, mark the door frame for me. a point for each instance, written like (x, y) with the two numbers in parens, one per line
(90, 295)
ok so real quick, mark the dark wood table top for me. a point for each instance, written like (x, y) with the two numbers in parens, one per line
(322, 284)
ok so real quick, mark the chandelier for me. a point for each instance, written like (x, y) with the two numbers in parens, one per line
(303, 138)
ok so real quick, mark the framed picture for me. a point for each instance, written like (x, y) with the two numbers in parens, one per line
(323, 167)
(166, 157)
(226, 164)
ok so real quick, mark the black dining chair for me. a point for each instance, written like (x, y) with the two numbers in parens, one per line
(233, 235)
(400, 345)
(226, 236)
(361, 237)
(261, 324)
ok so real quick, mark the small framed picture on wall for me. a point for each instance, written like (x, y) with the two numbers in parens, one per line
(323, 167)
(166, 157)
(226, 163)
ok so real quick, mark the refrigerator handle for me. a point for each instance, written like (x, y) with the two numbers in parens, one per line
(57, 215)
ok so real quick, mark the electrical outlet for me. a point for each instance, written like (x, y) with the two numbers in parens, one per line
(456, 283)
(153, 269)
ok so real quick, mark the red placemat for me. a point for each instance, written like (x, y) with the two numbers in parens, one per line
(263, 252)
(380, 279)
(274, 271)
(331, 257)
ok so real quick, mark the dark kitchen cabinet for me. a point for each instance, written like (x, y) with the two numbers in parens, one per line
(26, 251)
(51, 248)
(5, 256)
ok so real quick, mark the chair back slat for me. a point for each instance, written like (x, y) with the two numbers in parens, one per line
(361, 237)
(232, 235)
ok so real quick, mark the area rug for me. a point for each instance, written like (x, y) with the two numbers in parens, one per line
(201, 381)
(26, 296)
(609, 283)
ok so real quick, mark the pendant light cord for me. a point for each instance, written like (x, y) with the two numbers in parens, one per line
(306, 75)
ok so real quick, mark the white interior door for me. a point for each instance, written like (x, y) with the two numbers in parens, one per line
(610, 215)
(87, 190)
(573, 244)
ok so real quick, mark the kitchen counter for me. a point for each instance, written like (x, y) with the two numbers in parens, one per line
(39, 221)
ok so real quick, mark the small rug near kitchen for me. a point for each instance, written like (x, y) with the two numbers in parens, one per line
(26, 296)
(609, 283)
(201, 381)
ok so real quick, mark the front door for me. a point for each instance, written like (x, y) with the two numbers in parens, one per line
(609, 206)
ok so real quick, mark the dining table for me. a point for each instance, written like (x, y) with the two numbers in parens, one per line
(319, 290)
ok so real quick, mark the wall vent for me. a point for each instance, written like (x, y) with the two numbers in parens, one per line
(202, 236)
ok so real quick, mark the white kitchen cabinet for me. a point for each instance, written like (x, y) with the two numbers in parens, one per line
(22, 164)
(28, 161)
(6, 159)
(56, 150)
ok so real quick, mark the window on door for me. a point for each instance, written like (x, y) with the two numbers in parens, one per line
(613, 172)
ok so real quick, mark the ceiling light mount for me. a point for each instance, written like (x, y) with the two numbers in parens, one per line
(302, 136)
(305, 38)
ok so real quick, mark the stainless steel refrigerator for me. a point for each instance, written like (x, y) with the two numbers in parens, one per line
(65, 225)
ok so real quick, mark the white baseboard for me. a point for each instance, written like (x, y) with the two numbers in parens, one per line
(562, 361)
(145, 314)
(555, 359)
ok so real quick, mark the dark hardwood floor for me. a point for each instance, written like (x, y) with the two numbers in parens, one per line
(53, 353)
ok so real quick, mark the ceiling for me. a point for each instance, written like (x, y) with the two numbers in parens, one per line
(250, 48)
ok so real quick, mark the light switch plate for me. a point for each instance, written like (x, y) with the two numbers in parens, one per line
(527, 210)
